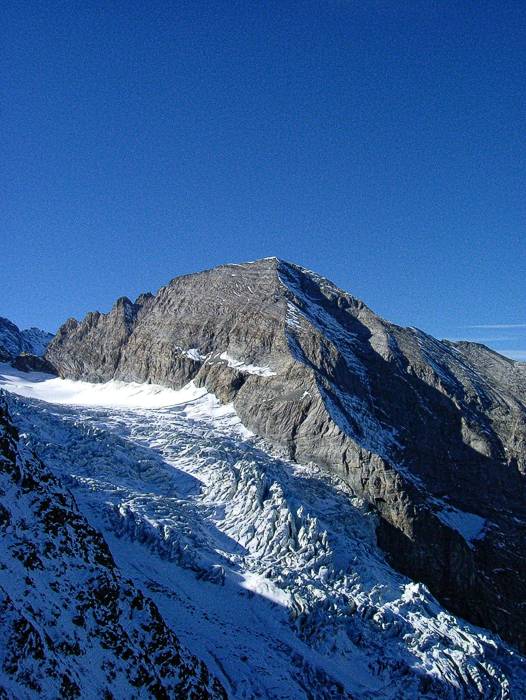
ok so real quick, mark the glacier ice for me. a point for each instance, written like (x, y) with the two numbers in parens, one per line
(268, 569)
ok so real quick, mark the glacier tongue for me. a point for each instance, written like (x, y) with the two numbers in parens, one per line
(269, 570)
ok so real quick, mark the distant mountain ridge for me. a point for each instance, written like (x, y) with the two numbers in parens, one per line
(14, 342)
(432, 434)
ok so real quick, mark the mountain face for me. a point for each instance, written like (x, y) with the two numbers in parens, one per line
(14, 342)
(71, 625)
(431, 434)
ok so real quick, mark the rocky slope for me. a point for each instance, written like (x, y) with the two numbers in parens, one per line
(71, 625)
(431, 434)
(14, 342)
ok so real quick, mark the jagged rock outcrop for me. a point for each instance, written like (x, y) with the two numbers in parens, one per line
(14, 341)
(432, 434)
(71, 625)
(33, 363)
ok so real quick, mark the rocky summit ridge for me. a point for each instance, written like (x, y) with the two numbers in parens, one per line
(432, 434)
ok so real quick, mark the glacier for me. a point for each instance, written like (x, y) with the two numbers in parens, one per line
(267, 569)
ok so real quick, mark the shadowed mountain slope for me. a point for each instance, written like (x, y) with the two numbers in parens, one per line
(14, 342)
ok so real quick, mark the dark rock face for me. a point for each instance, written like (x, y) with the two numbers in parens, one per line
(33, 363)
(13, 341)
(432, 434)
(71, 626)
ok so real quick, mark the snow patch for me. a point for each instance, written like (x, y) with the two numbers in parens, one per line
(195, 403)
(469, 525)
(192, 354)
(245, 367)
(114, 393)
(266, 589)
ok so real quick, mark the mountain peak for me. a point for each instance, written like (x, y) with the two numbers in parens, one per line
(403, 418)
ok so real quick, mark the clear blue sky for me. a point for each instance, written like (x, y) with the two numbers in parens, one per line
(380, 143)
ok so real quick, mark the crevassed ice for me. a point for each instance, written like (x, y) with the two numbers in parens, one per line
(266, 569)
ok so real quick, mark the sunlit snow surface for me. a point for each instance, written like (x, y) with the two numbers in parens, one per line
(267, 570)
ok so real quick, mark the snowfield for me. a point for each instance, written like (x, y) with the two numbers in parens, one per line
(267, 570)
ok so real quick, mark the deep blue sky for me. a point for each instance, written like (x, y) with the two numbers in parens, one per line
(380, 143)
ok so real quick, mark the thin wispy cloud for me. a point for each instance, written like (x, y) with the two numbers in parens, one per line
(485, 339)
(515, 354)
(498, 325)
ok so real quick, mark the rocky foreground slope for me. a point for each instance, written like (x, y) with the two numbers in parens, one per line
(431, 434)
(71, 625)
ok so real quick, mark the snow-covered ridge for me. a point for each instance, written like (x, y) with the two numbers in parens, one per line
(14, 341)
(37, 340)
(269, 569)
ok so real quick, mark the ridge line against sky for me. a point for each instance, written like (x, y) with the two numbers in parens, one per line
(379, 144)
